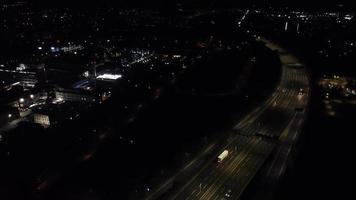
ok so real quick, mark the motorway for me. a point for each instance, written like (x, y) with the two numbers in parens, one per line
(272, 126)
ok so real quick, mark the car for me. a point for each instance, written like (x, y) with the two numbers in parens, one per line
(228, 193)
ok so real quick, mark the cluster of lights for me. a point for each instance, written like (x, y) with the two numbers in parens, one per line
(14, 71)
(22, 100)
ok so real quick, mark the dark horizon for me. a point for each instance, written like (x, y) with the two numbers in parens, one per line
(338, 5)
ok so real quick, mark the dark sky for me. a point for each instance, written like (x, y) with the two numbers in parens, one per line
(309, 4)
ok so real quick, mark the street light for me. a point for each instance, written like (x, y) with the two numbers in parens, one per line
(21, 100)
(9, 115)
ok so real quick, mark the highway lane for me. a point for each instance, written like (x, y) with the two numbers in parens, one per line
(235, 181)
(261, 127)
(214, 170)
(215, 174)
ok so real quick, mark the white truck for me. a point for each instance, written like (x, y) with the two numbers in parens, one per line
(223, 155)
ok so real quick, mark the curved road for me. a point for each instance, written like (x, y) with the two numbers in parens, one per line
(273, 125)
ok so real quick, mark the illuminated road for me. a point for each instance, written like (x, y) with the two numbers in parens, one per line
(273, 125)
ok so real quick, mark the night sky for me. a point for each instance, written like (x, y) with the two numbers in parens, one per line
(307, 4)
